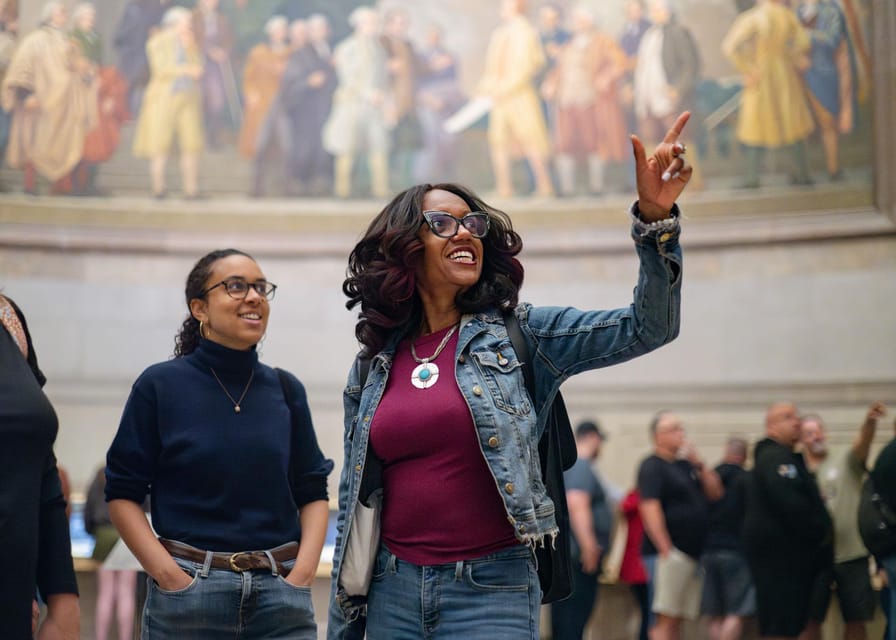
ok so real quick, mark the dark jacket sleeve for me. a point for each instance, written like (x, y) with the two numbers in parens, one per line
(793, 501)
(132, 457)
(55, 569)
(308, 466)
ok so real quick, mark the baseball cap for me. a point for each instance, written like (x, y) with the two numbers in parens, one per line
(589, 426)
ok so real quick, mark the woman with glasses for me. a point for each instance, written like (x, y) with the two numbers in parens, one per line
(225, 447)
(439, 425)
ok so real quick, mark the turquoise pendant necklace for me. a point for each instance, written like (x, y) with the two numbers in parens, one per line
(426, 373)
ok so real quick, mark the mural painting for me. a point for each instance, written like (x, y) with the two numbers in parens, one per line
(299, 99)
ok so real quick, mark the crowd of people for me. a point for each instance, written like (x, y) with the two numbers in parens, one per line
(775, 541)
(372, 112)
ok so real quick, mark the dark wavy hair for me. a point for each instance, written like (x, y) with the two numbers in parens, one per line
(382, 268)
(187, 339)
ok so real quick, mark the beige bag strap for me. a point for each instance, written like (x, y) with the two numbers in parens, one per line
(10, 320)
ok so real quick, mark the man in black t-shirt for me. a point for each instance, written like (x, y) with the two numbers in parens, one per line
(675, 489)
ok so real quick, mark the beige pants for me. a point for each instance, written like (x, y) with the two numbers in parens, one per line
(678, 586)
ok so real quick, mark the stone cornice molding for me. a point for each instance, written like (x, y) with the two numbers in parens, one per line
(330, 228)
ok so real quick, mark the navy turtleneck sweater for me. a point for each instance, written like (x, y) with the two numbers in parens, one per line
(218, 479)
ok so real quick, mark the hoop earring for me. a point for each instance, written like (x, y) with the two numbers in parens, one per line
(201, 333)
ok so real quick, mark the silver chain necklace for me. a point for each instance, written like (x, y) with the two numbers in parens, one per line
(236, 403)
(426, 373)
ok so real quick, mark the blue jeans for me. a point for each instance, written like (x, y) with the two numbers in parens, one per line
(496, 597)
(224, 604)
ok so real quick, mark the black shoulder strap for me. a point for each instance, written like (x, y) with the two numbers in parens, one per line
(364, 365)
(522, 349)
(558, 420)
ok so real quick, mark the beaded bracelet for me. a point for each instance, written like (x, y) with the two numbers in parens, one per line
(666, 225)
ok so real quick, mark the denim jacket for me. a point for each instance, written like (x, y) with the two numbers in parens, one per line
(563, 341)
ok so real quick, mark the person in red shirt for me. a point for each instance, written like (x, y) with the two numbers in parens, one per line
(632, 571)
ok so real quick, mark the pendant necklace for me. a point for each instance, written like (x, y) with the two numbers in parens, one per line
(236, 403)
(426, 372)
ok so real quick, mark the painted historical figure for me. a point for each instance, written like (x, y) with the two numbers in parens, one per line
(766, 44)
(261, 84)
(306, 93)
(172, 103)
(516, 123)
(831, 76)
(667, 71)
(359, 122)
(51, 95)
(584, 89)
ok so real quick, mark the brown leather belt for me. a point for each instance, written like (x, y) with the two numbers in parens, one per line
(239, 561)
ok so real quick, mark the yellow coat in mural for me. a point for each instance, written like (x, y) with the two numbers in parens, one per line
(767, 44)
(512, 61)
(172, 103)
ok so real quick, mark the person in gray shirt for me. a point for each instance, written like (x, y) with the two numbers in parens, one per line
(591, 521)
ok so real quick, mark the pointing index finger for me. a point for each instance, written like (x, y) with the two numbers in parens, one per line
(673, 134)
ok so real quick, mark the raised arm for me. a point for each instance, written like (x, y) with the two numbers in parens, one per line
(567, 341)
(862, 444)
(710, 482)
